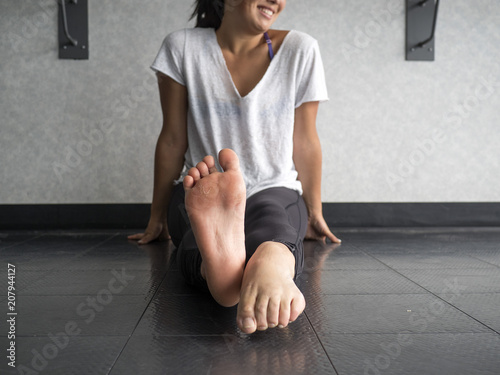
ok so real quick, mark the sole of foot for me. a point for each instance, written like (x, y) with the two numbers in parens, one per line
(215, 203)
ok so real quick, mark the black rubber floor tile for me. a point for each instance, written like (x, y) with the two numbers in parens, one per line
(428, 247)
(60, 243)
(277, 352)
(40, 260)
(100, 313)
(174, 284)
(22, 280)
(473, 247)
(83, 282)
(169, 315)
(484, 307)
(51, 253)
(456, 280)
(490, 256)
(107, 261)
(120, 244)
(186, 315)
(354, 261)
(63, 354)
(414, 313)
(337, 257)
(448, 241)
(358, 282)
(415, 354)
(9, 239)
(425, 261)
(442, 234)
(382, 234)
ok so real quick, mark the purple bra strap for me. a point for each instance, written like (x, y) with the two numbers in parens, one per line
(269, 45)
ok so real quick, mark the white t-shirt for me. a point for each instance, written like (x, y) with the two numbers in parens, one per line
(258, 126)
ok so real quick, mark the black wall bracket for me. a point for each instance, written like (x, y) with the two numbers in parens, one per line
(421, 19)
(73, 29)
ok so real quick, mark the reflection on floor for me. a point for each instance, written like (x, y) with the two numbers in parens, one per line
(401, 301)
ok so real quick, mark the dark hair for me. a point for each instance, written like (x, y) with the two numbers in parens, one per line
(208, 13)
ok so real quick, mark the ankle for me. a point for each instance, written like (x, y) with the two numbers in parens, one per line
(275, 254)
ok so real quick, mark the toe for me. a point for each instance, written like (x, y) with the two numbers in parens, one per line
(261, 308)
(246, 313)
(202, 169)
(284, 315)
(210, 163)
(246, 320)
(188, 182)
(297, 307)
(195, 174)
(228, 160)
(273, 311)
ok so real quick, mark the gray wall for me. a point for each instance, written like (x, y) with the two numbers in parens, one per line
(84, 131)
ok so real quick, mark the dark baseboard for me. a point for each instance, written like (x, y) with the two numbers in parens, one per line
(74, 216)
(412, 214)
(128, 216)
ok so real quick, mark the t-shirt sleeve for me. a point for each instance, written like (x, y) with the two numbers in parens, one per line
(311, 84)
(170, 57)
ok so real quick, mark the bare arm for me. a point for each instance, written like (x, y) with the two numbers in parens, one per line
(307, 157)
(169, 156)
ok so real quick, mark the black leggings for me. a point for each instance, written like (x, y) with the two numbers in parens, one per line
(275, 214)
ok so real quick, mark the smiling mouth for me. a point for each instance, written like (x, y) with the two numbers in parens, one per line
(267, 11)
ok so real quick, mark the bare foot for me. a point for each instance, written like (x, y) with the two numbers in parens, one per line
(215, 203)
(269, 296)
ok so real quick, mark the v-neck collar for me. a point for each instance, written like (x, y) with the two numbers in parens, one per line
(222, 60)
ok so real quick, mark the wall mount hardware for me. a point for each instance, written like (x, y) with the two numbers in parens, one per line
(421, 19)
(73, 30)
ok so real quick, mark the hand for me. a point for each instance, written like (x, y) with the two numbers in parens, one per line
(156, 230)
(317, 229)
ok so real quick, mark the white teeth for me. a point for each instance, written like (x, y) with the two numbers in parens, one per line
(267, 11)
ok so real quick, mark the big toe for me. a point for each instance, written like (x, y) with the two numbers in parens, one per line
(248, 325)
(246, 317)
(228, 160)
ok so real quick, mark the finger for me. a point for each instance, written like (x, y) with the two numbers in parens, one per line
(146, 239)
(332, 237)
(324, 231)
(136, 236)
(315, 234)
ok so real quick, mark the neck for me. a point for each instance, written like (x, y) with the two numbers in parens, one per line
(237, 40)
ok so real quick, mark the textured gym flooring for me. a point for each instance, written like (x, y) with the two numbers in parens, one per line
(386, 301)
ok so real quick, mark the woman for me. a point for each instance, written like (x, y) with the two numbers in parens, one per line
(235, 86)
